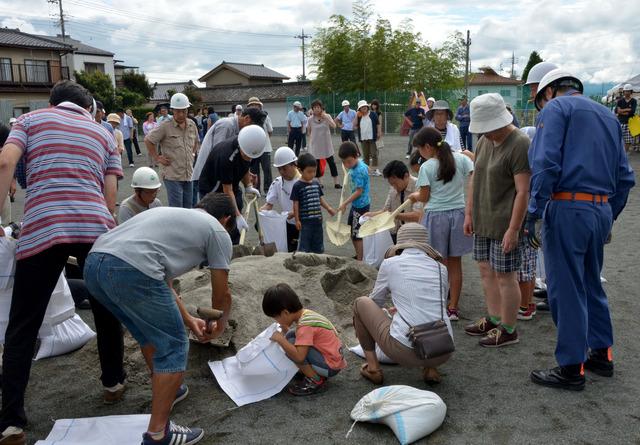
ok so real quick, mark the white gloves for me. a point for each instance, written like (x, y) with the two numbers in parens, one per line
(252, 190)
(241, 223)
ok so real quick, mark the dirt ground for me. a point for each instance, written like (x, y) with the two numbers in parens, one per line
(488, 393)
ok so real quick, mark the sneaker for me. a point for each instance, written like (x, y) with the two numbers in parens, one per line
(114, 394)
(174, 435)
(338, 186)
(308, 386)
(454, 314)
(559, 377)
(407, 156)
(376, 172)
(528, 313)
(13, 436)
(498, 337)
(131, 165)
(543, 306)
(181, 394)
(600, 361)
(480, 327)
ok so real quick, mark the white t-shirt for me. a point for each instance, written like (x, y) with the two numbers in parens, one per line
(280, 194)
(268, 128)
(366, 128)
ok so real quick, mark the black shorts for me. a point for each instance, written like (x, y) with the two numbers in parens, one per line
(354, 220)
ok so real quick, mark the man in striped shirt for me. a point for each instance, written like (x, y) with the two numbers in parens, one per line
(72, 168)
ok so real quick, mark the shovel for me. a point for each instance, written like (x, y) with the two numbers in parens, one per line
(266, 249)
(248, 202)
(383, 221)
(339, 233)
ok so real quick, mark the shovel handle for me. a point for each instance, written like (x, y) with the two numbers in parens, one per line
(405, 205)
(209, 314)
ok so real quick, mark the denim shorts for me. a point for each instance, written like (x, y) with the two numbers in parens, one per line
(487, 249)
(314, 358)
(147, 307)
(446, 233)
(311, 238)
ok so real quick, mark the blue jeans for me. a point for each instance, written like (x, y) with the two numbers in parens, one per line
(313, 358)
(147, 307)
(179, 193)
(195, 193)
(467, 138)
(311, 238)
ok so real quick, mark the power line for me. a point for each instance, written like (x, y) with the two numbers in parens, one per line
(62, 16)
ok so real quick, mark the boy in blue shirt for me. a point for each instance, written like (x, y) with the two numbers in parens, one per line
(359, 199)
(307, 206)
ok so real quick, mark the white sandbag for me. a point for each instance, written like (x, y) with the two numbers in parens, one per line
(109, 430)
(65, 337)
(411, 413)
(382, 357)
(61, 306)
(375, 246)
(263, 372)
(274, 227)
(7, 261)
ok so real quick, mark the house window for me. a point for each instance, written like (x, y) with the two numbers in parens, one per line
(481, 92)
(19, 111)
(93, 67)
(505, 93)
(5, 70)
(37, 71)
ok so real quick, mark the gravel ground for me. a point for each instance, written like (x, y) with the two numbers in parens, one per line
(488, 393)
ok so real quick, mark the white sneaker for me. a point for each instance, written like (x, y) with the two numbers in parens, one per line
(13, 436)
(377, 173)
(406, 156)
(131, 165)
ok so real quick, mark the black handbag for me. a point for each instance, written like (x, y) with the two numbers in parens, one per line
(431, 340)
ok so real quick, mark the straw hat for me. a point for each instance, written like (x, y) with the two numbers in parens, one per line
(413, 235)
(254, 101)
(113, 117)
(489, 113)
(440, 105)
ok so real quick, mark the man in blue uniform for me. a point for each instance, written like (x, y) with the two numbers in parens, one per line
(580, 182)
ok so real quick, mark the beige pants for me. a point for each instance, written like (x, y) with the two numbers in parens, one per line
(372, 327)
(5, 212)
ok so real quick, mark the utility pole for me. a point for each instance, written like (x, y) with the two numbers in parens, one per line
(513, 63)
(59, 2)
(467, 44)
(302, 37)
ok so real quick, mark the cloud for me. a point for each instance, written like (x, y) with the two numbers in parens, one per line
(171, 42)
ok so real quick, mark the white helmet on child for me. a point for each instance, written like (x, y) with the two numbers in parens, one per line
(145, 178)
(284, 156)
(251, 140)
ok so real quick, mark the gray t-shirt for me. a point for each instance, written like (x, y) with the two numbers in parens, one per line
(130, 208)
(166, 242)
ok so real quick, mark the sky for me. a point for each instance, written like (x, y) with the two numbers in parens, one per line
(597, 40)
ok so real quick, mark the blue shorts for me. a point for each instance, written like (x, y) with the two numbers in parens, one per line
(147, 307)
(446, 235)
(314, 358)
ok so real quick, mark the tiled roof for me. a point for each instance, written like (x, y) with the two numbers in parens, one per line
(488, 76)
(161, 90)
(250, 70)
(80, 47)
(17, 39)
(266, 93)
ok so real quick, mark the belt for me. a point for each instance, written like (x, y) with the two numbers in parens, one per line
(571, 196)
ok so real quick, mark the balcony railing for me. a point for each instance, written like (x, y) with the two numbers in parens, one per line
(37, 73)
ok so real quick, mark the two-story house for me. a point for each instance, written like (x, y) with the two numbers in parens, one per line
(29, 66)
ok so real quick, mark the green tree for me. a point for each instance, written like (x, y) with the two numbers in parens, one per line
(137, 83)
(534, 58)
(191, 91)
(100, 86)
(125, 98)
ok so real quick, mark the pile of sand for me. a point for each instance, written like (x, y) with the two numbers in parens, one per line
(327, 284)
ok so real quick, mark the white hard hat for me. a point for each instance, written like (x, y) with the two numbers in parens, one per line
(251, 140)
(145, 178)
(284, 156)
(529, 131)
(431, 99)
(297, 104)
(362, 103)
(557, 77)
(538, 71)
(345, 103)
(12, 120)
(179, 101)
(627, 87)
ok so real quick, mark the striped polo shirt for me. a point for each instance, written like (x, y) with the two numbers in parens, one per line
(67, 156)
